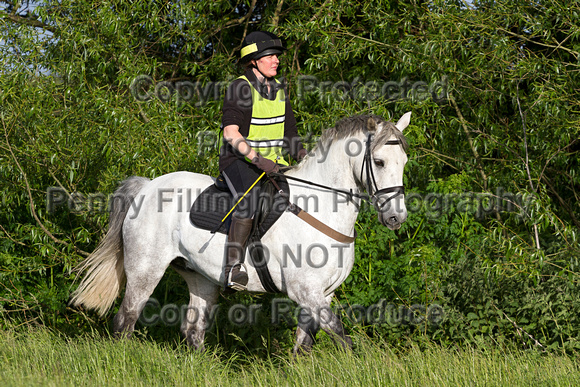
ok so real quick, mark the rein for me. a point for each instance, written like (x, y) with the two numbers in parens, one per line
(371, 181)
(372, 197)
(348, 193)
(311, 220)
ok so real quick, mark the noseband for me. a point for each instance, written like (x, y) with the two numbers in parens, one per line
(371, 183)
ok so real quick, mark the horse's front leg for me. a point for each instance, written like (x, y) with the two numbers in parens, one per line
(314, 316)
(308, 327)
(332, 325)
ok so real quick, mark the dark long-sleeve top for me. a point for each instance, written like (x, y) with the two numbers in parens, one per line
(237, 110)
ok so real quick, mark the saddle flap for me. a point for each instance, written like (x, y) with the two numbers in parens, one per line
(210, 208)
(213, 204)
(271, 205)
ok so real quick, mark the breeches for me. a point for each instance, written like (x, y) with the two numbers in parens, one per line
(240, 176)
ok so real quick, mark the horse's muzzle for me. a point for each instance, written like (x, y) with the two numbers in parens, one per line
(393, 222)
(393, 216)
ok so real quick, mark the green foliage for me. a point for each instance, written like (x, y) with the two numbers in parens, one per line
(492, 179)
(38, 356)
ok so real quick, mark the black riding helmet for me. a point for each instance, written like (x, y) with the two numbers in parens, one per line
(258, 44)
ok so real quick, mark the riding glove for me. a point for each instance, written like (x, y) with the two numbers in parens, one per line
(265, 164)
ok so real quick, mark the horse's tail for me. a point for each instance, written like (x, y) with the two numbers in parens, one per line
(105, 275)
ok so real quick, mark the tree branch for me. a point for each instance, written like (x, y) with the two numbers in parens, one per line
(559, 46)
(31, 201)
(527, 163)
(238, 21)
(277, 12)
(563, 203)
(470, 140)
(10, 237)
(28, 21)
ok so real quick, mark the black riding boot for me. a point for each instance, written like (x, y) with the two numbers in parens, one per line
(236, 246)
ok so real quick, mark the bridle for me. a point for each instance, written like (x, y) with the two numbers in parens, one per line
(371, 184)
(373, 195)
(373, 191)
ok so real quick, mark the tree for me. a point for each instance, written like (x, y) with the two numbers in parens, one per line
(115, 89)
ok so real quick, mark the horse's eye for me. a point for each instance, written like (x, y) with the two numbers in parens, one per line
(379, 163)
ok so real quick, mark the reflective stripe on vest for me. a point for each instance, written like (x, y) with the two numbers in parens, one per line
(266, 134)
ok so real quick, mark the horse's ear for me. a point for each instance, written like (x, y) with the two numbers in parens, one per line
(371, 124)
(404, 121)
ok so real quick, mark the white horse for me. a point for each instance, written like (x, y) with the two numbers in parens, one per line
(152, 230)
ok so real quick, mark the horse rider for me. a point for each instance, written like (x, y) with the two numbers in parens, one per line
(259, 128)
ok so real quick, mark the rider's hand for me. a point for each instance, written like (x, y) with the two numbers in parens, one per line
(265, 164)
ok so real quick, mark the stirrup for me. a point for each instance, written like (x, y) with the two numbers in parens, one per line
(235, 285)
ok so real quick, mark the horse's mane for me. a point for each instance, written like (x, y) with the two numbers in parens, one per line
(350, 126)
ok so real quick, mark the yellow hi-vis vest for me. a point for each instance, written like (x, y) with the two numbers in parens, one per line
(266, 135)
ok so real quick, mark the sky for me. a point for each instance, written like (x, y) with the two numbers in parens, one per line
(12, 55)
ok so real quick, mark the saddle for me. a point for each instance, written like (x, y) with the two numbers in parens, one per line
(215, 202)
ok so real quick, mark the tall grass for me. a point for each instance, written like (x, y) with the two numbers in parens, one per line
(40, 357)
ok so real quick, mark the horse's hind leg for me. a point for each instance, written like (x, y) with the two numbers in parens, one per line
(202, 308)
(141, 281)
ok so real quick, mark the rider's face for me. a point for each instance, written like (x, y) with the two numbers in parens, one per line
(268, 65)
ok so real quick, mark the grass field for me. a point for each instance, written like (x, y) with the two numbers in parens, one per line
(40, 357)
